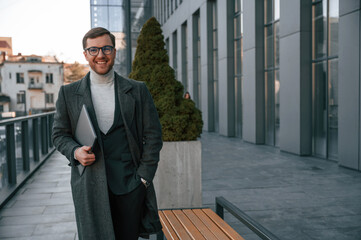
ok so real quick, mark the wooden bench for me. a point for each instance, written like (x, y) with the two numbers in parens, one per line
(195, 224)
(203, 223)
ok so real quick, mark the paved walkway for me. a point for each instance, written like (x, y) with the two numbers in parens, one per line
(293, 197)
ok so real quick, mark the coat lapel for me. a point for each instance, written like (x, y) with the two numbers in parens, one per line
(126, 100)
(127, 107)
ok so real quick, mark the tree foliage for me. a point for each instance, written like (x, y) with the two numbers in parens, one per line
(179, 117)
(74, 72)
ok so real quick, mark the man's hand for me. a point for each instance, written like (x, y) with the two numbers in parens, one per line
(84, 155)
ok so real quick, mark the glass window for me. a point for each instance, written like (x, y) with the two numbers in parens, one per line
(333, 109)
(175, 54)
(49, 78)
(271, 75)
(333, 28)
(214, 56)
(19, 77)
(197, 61)
(325, 78)
(99, 16)
(269, 45)
(99, 2)
(20, 98)
(319, 29)
(238, 37)
(49, 98)
(116, 2)
(268, 6)
(184, 56)
(116, 19)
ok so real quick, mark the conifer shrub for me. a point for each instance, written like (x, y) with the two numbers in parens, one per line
(179, 117)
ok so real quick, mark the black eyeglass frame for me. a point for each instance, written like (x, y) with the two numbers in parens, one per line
(98, 48)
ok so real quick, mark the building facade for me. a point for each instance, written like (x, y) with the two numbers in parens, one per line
(124, 18)
(31, 83)
(275, 72)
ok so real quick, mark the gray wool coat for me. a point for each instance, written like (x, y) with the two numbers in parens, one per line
(143, 130)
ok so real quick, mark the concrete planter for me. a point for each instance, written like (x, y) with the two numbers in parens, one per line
(178, 181)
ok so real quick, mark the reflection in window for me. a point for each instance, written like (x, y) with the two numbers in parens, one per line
(184, 57)
(214, 56)
(272, 83)
(325, 78)
(238, 46)
(197, 60)
(175, 55)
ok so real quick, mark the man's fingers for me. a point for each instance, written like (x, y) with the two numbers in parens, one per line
(87, 148)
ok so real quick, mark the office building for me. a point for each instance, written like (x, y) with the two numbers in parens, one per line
(280, 73)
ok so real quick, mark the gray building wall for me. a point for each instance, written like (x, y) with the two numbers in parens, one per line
(349, 84)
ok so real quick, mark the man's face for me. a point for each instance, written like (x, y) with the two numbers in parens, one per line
(100, 63)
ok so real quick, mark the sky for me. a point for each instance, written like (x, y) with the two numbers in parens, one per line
(46, 27)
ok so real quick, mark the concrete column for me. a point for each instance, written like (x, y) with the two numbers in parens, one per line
(253, 84)
(296, 77)
(349, 109)
(206, 67)
(225, 12)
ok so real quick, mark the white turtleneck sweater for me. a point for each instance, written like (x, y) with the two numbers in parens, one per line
(102, 93)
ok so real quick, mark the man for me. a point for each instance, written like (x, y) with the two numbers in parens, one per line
(114, 197)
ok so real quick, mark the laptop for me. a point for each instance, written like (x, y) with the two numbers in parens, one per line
(84, 132)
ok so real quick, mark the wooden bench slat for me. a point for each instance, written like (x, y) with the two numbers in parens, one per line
(200, 225)
(176, 225)
(187, 224)
(231, 233)
(210, 224)
(167, 228)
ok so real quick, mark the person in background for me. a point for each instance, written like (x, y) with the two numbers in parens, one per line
(187, 95)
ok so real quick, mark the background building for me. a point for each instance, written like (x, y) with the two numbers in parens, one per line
(31, 83)
(275, 72)
(124, 18)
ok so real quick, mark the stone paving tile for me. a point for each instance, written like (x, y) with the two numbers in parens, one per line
(21, 211)
(36, 219)
(55, 228)
(63, 236)
(16, 231)
(29, 196)
(69, 208)
(62, 195)
(41, 202)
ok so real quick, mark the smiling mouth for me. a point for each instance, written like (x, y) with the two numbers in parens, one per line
(101, 62)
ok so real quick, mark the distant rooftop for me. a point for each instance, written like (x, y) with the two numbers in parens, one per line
(32, 58)
(4, 44)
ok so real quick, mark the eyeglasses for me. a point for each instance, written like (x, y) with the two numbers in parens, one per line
(94, 51)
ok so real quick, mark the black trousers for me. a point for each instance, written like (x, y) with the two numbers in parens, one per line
(127, 212)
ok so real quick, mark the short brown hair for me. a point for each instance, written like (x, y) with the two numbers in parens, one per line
(97, 32)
